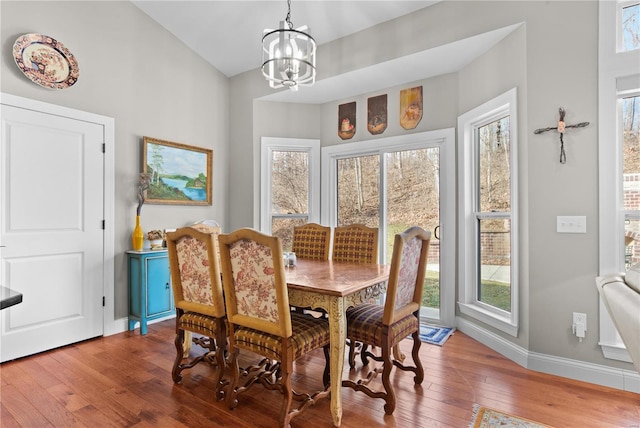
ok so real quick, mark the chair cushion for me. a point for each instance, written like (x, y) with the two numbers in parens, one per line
(364, 324)
(198, 323)
(309, 333)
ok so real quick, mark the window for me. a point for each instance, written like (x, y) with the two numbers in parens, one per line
(395, 183)
(290, 186)
(628, 25)
(630, 142)
(618, 151)
(488, 288)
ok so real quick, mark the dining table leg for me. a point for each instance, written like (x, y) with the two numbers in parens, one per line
(338, 336)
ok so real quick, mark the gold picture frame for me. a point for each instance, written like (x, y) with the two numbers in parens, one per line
(179, 174)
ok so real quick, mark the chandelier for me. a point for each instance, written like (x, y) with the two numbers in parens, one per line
(288, 55)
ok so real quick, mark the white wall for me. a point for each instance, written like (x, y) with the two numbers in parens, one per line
(150, 83)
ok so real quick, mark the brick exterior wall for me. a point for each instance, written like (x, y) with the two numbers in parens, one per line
(495, 248)
(631, 188)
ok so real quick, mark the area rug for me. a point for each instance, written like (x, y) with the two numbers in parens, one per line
(435, 335)
(484, 417)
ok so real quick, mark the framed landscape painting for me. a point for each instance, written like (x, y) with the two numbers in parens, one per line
(180, 174)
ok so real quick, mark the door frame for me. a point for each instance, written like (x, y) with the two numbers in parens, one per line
(445, 140)
(108, 125)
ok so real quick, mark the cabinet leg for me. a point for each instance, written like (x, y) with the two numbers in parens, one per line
(132, 324)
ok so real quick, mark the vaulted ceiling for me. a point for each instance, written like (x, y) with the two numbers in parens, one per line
(228, 35)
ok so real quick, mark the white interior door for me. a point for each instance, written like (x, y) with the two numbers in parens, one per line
(51, 207)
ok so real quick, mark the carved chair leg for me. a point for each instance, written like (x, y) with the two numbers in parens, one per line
(352, 352)
(220, 360)
(364, 354)
(419, 377)
(390, 397)
(177, 369)
(231, 395)
(326, 379)
(285, 383)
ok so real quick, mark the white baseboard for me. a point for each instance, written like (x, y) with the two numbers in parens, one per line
(116, 326)
(598, 374)
(122, 324)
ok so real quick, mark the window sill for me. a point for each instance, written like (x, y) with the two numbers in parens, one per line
(614, 351)
(503, 324)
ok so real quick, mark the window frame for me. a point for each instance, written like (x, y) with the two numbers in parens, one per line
(468, 245)
(268, 145)
(615, 67)
(444, 139)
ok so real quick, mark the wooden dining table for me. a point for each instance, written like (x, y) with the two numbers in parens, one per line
(334, 287)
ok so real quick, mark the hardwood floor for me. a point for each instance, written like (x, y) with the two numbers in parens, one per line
(124, 380)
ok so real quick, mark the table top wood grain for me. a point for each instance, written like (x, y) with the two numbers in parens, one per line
(334, 278)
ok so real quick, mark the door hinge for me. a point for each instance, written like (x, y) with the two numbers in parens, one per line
(104, 147)
(103, 225)
(103, 301)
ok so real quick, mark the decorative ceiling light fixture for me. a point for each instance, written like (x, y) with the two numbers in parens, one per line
(288, 55)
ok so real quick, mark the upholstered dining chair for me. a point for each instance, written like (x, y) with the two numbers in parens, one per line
(311, 241)
(385, 326)
(355, 243)
(198, 297)
(260, 321)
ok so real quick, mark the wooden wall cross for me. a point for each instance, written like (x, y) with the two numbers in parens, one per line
(561, 129)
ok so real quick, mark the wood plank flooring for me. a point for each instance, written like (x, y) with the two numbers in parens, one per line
(124, 380)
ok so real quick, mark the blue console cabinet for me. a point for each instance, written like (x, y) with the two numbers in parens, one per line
(150, 294)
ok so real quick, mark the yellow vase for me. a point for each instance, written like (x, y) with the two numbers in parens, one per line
(137, 238)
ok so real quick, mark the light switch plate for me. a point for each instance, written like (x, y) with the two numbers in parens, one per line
(572, 224)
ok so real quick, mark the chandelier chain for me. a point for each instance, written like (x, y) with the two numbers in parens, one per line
(288, 18)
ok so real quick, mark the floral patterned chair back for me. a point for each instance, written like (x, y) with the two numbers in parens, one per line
(406, 276)
(355, 243)
(311, 241)
(195, 269)
(254, 281)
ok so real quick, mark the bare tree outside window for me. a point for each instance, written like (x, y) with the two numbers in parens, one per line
(359, 190)
(290, 194)
(411, 199)
(494, 209)
(631, 27)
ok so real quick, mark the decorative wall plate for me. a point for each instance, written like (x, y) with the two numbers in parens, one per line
(45, 61)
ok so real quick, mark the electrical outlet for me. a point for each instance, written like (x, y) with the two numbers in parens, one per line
(580, 318)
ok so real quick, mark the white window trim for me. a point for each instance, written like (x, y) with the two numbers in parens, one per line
(468, 123)
(613, 65)
(445, 140)
(268, 145)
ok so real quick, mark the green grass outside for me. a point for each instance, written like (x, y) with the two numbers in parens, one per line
(497, 294)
